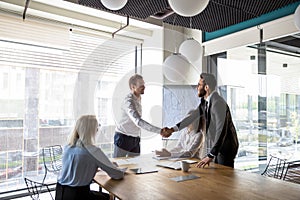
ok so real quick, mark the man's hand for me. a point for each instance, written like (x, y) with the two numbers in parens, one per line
(166, 132)
(205, 161)
(163, 153)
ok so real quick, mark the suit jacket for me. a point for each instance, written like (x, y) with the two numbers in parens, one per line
(221, 134)
(194, 115)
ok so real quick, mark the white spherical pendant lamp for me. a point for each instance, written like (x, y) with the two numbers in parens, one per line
(191, 49)
(114, 4)
(175, 67)
(297, 17)
(188, 8)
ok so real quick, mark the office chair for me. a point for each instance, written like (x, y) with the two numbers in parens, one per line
(34, 188)
(292, 173)
(52, 158)
(275, 168)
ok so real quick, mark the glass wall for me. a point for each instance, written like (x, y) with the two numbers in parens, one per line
(265, 106)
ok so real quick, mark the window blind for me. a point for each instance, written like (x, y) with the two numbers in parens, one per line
(44, 45)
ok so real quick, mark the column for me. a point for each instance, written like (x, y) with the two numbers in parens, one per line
(31, 120)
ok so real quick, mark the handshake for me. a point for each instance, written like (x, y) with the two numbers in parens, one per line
(166, 132)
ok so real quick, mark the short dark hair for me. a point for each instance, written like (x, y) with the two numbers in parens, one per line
(209, 79)
(133, 79)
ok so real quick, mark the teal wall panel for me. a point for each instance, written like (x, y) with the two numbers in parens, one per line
(282, 12)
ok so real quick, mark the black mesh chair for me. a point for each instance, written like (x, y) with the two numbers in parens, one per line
(52, 158)
(35, 188)
(275, 168)
(292, 173)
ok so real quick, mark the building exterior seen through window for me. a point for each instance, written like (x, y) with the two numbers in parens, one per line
(270, 127)
(40, 99)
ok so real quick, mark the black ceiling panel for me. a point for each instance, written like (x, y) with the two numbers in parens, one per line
(141, 9)
(217, 15)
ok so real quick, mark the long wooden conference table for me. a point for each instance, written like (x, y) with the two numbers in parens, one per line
(215, 182)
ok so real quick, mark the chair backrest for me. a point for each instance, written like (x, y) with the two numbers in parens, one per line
(292, 173)
(52, 158)
(275, 168)
(33, 188)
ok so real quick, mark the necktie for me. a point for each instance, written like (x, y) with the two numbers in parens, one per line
(206, 109)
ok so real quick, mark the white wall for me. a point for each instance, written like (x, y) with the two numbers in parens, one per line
(271, 30)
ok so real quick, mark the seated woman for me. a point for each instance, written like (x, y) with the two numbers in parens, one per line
(190, 144)
(80, 162)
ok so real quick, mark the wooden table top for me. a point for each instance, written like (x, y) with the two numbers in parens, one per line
(215, 182)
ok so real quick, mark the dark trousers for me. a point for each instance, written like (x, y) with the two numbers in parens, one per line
(64, 192)
(220, 159)
(125, 145)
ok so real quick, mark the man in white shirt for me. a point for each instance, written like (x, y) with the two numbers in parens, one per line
(128, 128)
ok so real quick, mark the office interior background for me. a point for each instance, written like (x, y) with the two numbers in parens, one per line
(54, 67)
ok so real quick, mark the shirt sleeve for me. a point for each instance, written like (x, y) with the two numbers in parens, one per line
(195, 115)
(105, 164)
(137, 118)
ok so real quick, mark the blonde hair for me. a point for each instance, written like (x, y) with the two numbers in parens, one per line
(84, 131)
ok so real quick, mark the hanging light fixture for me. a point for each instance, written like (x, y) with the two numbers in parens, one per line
(188, 8)
(191, 48)
(114, 4)
(175, 66)
(297, 17)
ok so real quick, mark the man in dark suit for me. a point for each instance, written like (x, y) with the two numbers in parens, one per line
(221, 138)
(222, 142)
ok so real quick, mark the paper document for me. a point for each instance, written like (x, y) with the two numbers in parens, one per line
(144, 170)
(127, 161)
(171, 165)
(190, 161)
(161, 157)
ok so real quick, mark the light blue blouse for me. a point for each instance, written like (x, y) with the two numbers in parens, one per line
(80, 164)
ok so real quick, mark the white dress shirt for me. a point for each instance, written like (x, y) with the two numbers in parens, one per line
(131, 120)
(188, 144)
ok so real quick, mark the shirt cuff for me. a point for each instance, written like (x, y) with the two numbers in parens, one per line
(175, 128)
(210, 155)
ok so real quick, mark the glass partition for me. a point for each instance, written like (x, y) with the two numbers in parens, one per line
(265, 107)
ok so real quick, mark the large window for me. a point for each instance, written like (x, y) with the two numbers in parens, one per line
(265, 106)
(46, 86)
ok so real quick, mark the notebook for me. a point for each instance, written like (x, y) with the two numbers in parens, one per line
(171, 165)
